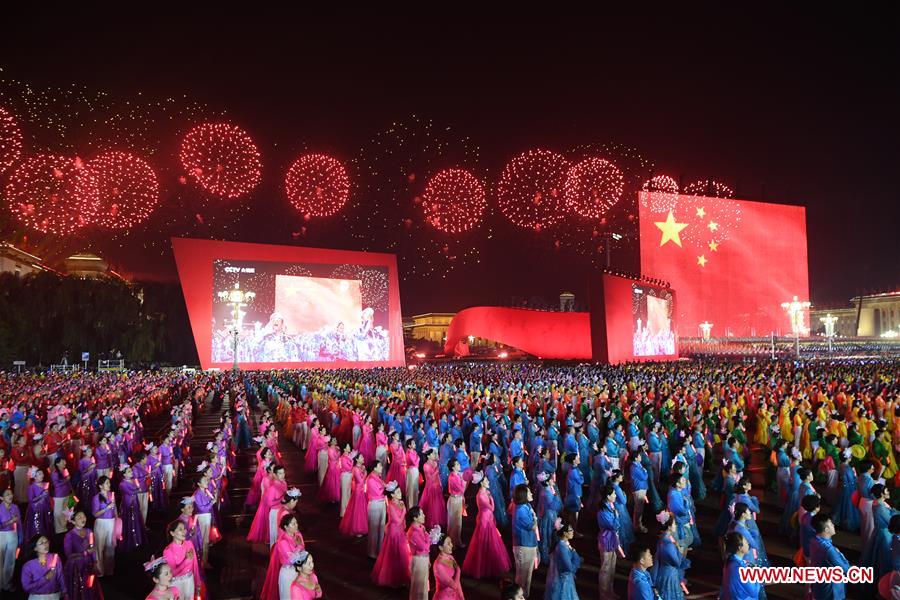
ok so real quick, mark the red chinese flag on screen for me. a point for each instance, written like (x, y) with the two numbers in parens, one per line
(731, 263)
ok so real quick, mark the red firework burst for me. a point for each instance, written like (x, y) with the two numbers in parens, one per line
(709, 188)
(10, 140)
(52, 194)
(129, 190)
(317, 185)
(222, 158)
(530, 192)
(593, 186)
(662, 193)
(454, 201)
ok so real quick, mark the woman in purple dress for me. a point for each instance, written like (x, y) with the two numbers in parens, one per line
(10, 538)
(62, 489)
(87, 469)
(39, 516)
(134, 533)
(159, 498)
(81, 561)
(103, 507)
(42, 576)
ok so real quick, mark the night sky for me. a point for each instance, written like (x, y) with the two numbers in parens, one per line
(784, 108)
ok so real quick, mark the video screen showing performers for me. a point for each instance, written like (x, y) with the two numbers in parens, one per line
(651, 310)
(299, 312)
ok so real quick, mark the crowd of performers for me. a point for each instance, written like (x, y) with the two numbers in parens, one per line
(551, 449)
(534, 455)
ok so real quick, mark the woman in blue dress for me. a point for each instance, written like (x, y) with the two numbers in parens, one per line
(680, 511)
(878, 553)
(653, 497)
(445, 453)
(793, 499)
(670, 563)
(574, 488)
(550, 506)
(698, 488)
(491, 469)
(742, 496)
(741, 524)
(626, 527)
(679, 468)
(564, 563)
(845, 514)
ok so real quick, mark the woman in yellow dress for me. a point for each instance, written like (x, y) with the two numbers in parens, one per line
(763, 420)
(787, 424)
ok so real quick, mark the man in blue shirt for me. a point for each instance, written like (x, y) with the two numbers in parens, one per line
(525, 536)
(733, 587)
(822, 553)
(640, 584)
(639, 484)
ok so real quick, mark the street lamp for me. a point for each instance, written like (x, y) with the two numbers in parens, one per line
(829, 321)
(705, 328)
(236, 298)
(795, 309)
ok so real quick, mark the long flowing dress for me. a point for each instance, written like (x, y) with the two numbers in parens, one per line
(845, 514)
(669, 566)
(446, 579)
(87, 480)
(330, 491)
(356, 520)
(367, 444)
(280, 560)
(550, 506)
(432, 499)
(39, 515)
(486, 556)
(134, 531)
(81, 566)
(259, 528)
(561, 573)
(392, 566)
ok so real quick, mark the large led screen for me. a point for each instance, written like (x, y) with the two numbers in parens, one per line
(651, 312)
(632, 320)
(732, 262)
(290, 307)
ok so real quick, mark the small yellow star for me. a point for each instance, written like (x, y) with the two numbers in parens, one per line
(712, 225)
(701, 260)
(670, 230)
(714, 246)
(701, 213)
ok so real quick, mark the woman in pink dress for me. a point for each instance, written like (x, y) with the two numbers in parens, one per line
(263, 460)
(331, 485)
(381, 447)
(262, 521)
(392, 567)
(306, 584)
(432, 499)
(412, 473)
(161, 573)
(280, 573)
(456, 503)
(397, 472)
(312, 448)
(345, 465)
(487, 555)
(356, 517)
(447, 573)
(366, 443)
(419, 548)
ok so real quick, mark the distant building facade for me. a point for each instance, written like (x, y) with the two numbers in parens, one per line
(872, 315)
(17, 261)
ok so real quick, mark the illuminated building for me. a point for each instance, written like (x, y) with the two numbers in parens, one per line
(871, 315)
(17, 261)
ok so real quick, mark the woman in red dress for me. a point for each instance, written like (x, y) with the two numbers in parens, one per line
(392, 567)
(432, 499)
(487, 555)
(356, 518)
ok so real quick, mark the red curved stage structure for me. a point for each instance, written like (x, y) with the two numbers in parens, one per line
(565, 335)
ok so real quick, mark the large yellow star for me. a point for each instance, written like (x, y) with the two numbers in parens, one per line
(714, 246)
(701, 260)
(712, 225)
(701, 213)
(670, 230)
